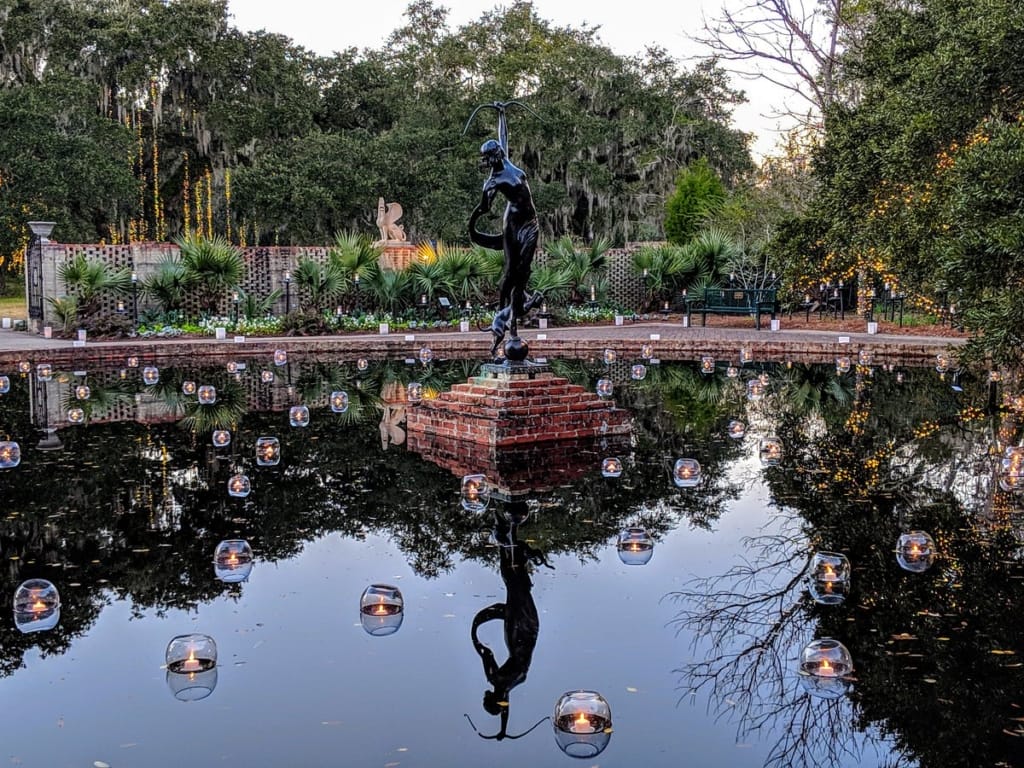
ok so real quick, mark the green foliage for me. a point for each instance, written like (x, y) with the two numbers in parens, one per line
(168, 285)
(699, 194)
(88, 280)
(213, 267)
(585, 266)
(319, 285)
(65, 309)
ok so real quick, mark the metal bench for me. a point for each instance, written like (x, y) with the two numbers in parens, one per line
(734, 301)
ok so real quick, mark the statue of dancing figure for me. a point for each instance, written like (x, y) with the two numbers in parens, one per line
(520, 230)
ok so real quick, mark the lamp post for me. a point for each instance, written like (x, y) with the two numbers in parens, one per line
(135, 298)
(34, 267)
(355, 291)
(287, 292)
(236, 298)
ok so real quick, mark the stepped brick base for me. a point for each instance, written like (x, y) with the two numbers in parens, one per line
(522, 426)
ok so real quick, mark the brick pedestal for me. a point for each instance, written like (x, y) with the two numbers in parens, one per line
(524, 427)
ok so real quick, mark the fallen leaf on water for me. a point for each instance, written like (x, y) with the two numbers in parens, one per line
(100, 764)
(631, 689)
(1001, 652)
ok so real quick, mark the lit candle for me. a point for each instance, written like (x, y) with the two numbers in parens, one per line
(191, 664)
(829, 574)
(826, 669)
(38, 606)
(593, 293)
(581, 724)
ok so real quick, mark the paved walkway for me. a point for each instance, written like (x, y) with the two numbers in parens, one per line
(672, 341)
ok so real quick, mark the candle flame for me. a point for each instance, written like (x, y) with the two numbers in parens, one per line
(581, 722)
(38, 605)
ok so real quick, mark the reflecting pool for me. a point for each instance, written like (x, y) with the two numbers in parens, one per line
(780, 564)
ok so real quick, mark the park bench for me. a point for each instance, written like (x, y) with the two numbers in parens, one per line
(734, 301)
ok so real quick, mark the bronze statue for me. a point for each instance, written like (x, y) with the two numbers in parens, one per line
(520, 230)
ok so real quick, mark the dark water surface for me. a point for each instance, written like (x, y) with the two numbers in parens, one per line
(696, 651)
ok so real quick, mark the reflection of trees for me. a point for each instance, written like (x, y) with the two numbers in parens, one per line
(935, 653)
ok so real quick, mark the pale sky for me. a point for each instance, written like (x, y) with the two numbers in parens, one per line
(626, 26)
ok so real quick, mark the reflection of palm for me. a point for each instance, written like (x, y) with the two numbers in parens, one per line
(519, 615)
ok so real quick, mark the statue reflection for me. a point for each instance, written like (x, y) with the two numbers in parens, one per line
(518, 613)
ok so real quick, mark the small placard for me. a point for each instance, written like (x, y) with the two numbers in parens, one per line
(239, 339)
(540, 359)
(220, 333)
(410, 361)
(775, 324)
(542, 337)
(655, 337)
(619, 319)
(383, 327)
(654, 361)
(47, 332)
(77, 343)
(872, 328)
(542, 322)
(410, 337)
(464, 326)
(6, 322)
(844, 339)
(82, 334)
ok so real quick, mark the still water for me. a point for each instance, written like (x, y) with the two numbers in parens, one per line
(697, 651)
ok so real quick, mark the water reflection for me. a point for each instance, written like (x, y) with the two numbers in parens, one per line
(131, 508)
(517, 614)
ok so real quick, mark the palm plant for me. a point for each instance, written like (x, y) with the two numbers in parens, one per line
(319, 285)
(355, 254)
(426, 273)
(715, 252)
(88, 280)
(468, 272)
(554, 283)
(389, 288)
(253, 306)
(213, 266)
(584, 265)
(168, 285)
(65, 308)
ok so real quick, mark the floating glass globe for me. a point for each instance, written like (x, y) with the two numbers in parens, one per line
(732, 372)
(362, 364)
(611, 467)
(268, 451)
(188, 387)
(280, 356)
(266, 376)
(638, 372)
(707, 365)
(133, 361)
(10, 454)
(476, 493)
(232, 366)
(5, 385)
(339, 401)
(381, 609)
(915, 551)
(298, 416)
(865, 357)
(769, 451)
(582, 723)
(755, 390)
(76, 415)
(82, 392)
(610, 356)
(232, 561)
(825, 666)
(191, 666)
(829, 578)
(239, 486)
(605, 387)
(843, 365)
(746, 355)
(44, 371)
(207, 394)
(1011, 473)
(192, 686)
(686, 473)
(942, 362)
(24, 367)
(221, 438)
(414, 392)
(635, 546)
(150, 375)
(426, 355)
(36, 606)
(737, 430)
(647, 351)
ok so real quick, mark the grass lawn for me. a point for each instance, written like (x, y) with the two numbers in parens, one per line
(12, 306)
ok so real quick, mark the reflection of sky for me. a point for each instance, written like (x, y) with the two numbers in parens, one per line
(301, 684)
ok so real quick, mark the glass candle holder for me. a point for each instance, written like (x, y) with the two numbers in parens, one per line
(1011, 471)
(638, 372)
(44, 371)
(5, 385)
(362, 364)
(865, 357)
(825, 667)
(686, 473)
(381, 609)
(150, 375)
(707, 365)
(476, 493)
(737, 430)
(280, 356)
(942, 362)
(755, 390)
(268, 451)
(192, 686)
(746, 355)
(24, 367)
(239, 486)
(732, 372)
(233, 561)
(232, 366)
(76, 415)
(611, 467)
(635, 546)
(829, 578)
(414, 392)
(221, 438)
(582, 723)
(605, 387)
(188, 387)
(426, 355)
(266, 377)
(609, 356)
(647, 351)
(769, 451)
(10, 454)
(207, 394)
(915, 551)
(298, 416)
(82, 392)
(132, 361)
(843, 365)
(189, 654)
(36, 606)
(339, 401)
